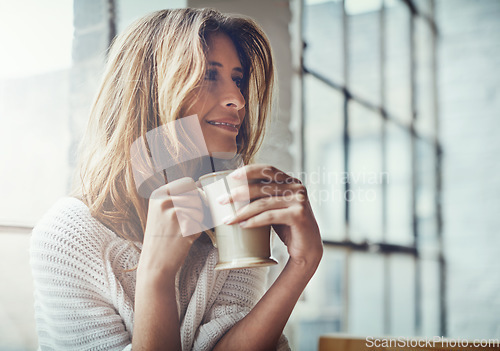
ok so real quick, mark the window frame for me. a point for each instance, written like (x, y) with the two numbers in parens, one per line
(383, 247)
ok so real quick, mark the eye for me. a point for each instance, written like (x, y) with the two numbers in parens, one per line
(211, 74)
(238, 81)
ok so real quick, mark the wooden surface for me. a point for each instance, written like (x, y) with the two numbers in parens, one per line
(338, 342)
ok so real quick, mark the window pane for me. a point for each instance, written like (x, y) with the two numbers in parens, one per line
(365, 195)
(402, 294)
(399, 221)
(398, 153)
(430, 297)
(424, 79)
(35, 63)
(423, 7)
(324, 162)
(322, 308)
(324, 293)
(322, 33)
(364, 53)
(356, 7)
(366, 294)
(34, 108)
(399, 186)
(425, 196)
(397, 66)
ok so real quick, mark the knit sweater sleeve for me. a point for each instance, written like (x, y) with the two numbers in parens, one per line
(240, 293)
(73, 309)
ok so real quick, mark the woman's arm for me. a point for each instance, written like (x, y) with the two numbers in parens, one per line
(263, 326)
(156, 318)
(282, 201)
(73, 305)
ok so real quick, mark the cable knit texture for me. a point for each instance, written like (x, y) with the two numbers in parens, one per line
(84, 297)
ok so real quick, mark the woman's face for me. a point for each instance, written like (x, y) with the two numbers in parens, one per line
(219, 103)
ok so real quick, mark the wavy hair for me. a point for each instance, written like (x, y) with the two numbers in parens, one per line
(153, 69)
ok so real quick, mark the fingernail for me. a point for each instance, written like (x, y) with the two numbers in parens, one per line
(228, 219)
(243, 224)
(223, 199)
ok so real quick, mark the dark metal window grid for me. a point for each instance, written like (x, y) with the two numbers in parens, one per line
(385, 248)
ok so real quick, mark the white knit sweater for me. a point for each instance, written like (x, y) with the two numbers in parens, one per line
(84, 298)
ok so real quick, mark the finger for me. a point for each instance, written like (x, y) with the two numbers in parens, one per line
(276, 216)
(259, 206)
(252, 192)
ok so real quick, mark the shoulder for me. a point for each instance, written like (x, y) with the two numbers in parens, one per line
(69, 231)
(79, 303)
(68, 214)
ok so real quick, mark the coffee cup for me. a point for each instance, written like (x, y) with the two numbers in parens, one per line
(238, 247)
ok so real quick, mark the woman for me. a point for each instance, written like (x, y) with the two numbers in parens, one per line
(111, 269)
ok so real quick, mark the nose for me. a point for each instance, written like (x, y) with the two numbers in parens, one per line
(232, 97)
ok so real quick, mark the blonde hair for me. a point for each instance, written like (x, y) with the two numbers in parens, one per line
(153, 69)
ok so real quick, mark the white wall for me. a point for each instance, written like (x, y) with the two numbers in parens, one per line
(469, 83)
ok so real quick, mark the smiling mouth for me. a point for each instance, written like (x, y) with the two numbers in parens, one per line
(224, 125)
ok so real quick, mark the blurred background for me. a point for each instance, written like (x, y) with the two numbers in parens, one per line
(389, 110)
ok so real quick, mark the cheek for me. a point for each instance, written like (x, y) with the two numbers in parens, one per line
(198, 103)
(242, 113)
(196, 107)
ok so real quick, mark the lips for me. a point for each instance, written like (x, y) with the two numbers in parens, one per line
(229, 125)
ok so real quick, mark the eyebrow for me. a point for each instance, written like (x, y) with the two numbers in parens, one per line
(218, 64)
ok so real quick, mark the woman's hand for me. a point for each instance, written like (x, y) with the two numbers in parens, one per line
(279, 200)
(173, 224)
